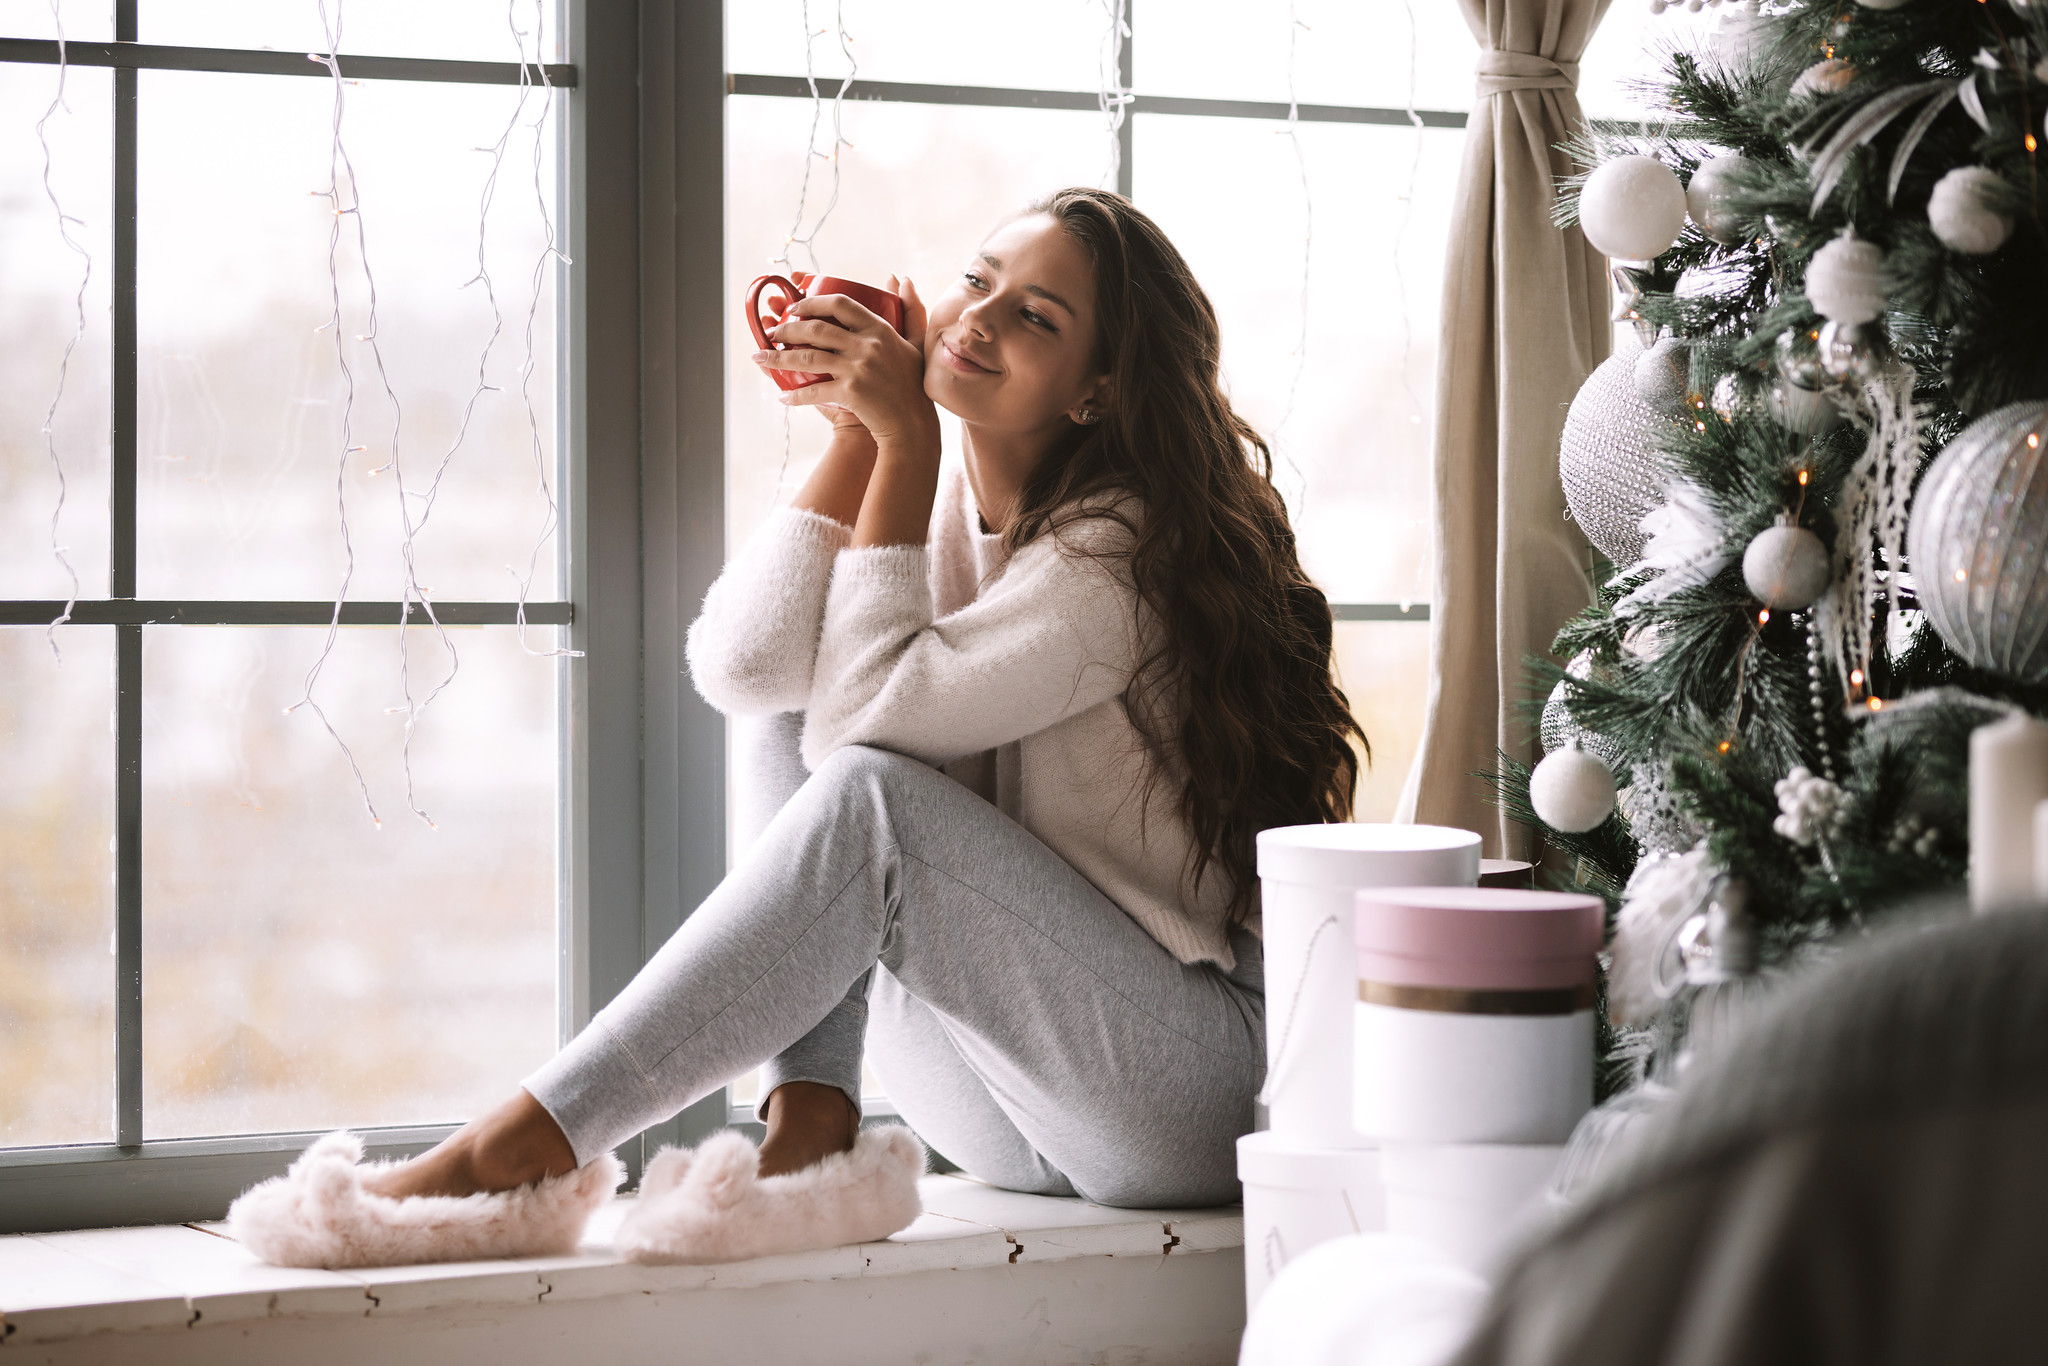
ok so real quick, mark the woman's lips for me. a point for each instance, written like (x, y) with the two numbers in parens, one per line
(962, 362)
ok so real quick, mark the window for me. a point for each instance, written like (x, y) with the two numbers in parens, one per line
(209, 948)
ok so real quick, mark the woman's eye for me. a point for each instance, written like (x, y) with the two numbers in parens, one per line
(975, 281)
(1033, 316)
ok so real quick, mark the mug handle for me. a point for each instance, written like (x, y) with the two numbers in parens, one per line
(790, 294)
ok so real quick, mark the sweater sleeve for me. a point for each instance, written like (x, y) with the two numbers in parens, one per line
(755, 642)
(1052, 637)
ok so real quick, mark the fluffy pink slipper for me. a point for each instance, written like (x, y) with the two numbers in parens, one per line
(318, 1214)
(711, 1204)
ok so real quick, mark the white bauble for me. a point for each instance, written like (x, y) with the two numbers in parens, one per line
(1823, 78)
(1571, 790)
(1632, 208)
(1786, 566)
(1608, 459)
(1740, 38)
(1660, 375)
(1960, 211)
(1706, 197)
(1881, 4)
(1808, 412)
(1845, 280)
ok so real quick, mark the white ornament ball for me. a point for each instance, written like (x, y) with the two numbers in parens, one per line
(1660, 375)
(1632, 208)
(1572, 791)
(1823, 78)
(1845, 280)
(1881, 4)
(1786, 566)
(1978, 543)
(1706, 197)
(1961, 213)
(1807, 412)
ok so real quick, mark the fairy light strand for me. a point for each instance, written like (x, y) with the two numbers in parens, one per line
(64, 224)
(550, 254)
(338, 162)
(1420, 588)
(796, 236)
(1292, 132)
(1110, 95)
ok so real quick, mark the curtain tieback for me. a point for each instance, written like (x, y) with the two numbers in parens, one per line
(1500, 72)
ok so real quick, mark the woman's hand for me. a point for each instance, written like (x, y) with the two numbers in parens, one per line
(877, 377)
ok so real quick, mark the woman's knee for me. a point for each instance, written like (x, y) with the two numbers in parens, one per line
(865, 769)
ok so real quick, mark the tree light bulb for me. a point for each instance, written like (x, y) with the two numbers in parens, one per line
(1727, 745)
(1802, 478)
(1877, 704)
(1962, 575)
(1763, 617)
(2033, 441)
(1856, 677)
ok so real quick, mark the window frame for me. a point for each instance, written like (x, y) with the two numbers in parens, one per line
(640, 442)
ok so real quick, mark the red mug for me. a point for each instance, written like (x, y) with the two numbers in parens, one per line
(884, 305)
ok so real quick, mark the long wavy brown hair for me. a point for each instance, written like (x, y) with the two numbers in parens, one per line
(1236, 698)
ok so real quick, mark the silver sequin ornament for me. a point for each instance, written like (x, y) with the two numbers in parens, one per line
(1978, 543)
(1608, 459)
(1707, 194)
(1660, 375)
(1560, 729)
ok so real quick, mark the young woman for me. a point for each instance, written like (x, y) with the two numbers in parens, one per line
(1046, 702)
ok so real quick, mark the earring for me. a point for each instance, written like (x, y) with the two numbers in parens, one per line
(1087, 417)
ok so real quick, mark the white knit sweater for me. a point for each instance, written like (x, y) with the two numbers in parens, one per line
(1006, 673)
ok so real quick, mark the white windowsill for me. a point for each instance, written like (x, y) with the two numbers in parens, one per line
(60, 1286)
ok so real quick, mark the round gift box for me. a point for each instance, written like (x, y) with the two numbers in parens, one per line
(1296, 1198)
(1474, 1015)
(1470, 1201)
(1309, 876)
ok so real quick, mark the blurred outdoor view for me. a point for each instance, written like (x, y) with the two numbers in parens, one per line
(304, 968)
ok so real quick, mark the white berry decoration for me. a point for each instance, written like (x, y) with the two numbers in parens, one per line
(1632, 208)
(1571, 790)
(1845, 280)
(1786, 566)
(1960, 211)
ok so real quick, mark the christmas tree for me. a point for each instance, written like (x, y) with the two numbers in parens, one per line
(1820, 485)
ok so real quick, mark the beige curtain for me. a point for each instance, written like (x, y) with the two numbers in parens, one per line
(1524, 322)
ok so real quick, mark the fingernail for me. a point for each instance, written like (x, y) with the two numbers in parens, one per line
(764, 355)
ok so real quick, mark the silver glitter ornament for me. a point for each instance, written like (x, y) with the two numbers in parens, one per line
(1660, 375)
(1608, 461)
(1978, 543)
(1559, 729)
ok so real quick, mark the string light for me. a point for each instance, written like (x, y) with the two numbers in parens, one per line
(796, 236)
(337, 162)
(550, 253)
(1110, 94)
(1419, 585)
(1292, 132)
(64, 222)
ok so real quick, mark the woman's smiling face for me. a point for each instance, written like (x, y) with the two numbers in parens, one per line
(1011, 345)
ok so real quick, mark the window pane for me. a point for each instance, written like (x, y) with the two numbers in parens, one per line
(1383, 667)
(92, 20)
(1353, 452)
(39, 316)
(1048, 45)
(56, 887)
(474, 30)
(1345, 53)
(303, 969)
(242, 400)
(1631, 44)
(921, 186)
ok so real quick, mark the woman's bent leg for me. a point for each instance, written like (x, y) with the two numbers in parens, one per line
(1129, 1071)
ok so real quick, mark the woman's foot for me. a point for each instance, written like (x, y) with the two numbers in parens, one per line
(807, 1123)
(516, 1144)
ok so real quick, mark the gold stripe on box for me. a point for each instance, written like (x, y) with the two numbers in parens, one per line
(1479, 1001)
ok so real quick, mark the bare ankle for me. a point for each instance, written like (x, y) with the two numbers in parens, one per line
(517, 1144)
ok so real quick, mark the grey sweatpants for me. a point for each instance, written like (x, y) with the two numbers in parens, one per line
(1024, 1025)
